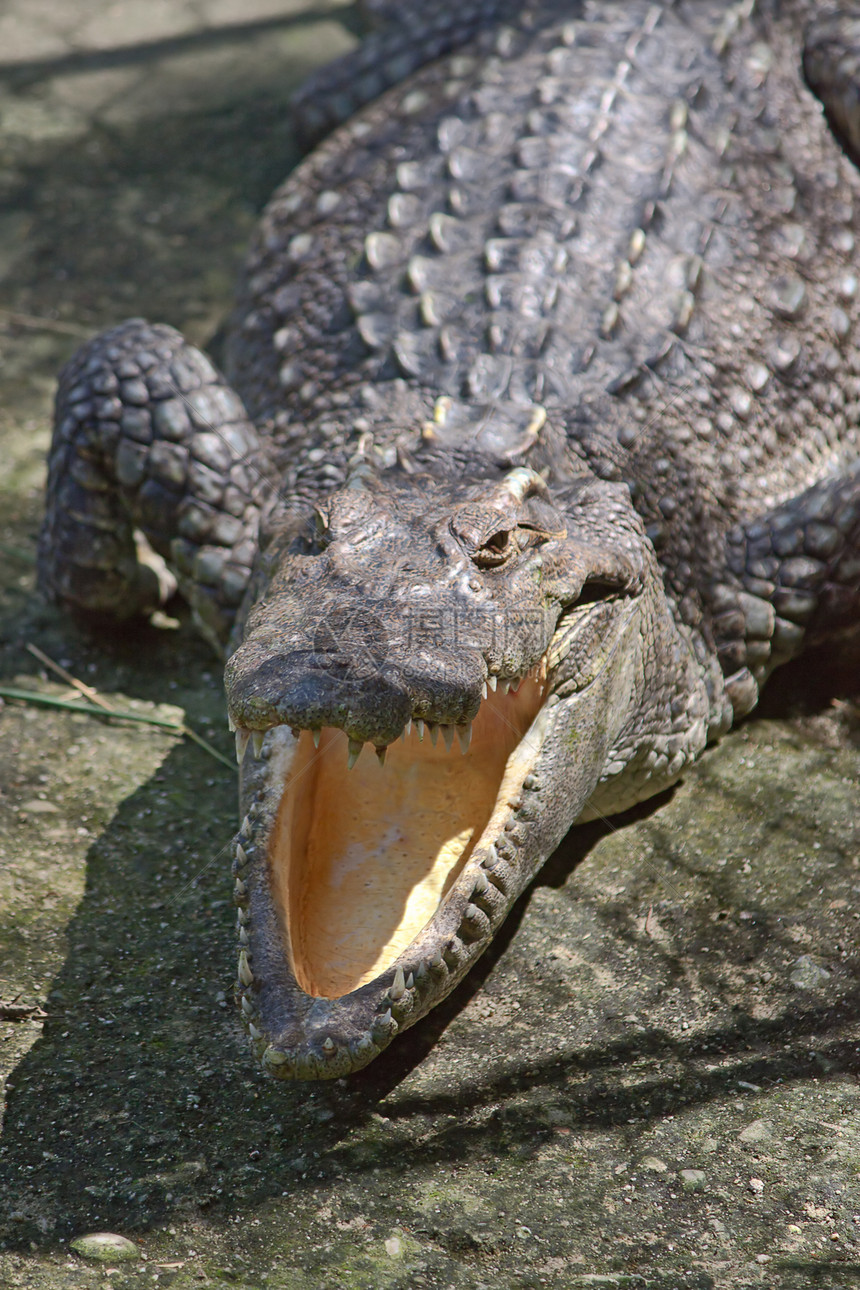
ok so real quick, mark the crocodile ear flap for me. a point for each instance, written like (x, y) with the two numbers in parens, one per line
(530, 495)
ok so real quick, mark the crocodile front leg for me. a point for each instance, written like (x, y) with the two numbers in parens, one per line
(150, 441)
(794, 583)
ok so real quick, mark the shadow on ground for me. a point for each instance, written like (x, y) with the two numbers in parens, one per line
(140, 1104)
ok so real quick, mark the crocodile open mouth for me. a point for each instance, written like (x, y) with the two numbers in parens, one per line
(360, 861)
(367, 885)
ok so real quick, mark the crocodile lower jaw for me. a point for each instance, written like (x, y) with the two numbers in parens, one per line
(365, 895)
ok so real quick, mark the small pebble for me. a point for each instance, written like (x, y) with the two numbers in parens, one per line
(655, 1165)
(693, 1179)
(755, 1132)
(807, 974)
(105, 1247)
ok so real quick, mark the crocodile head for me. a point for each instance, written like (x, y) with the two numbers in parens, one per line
(433, 683)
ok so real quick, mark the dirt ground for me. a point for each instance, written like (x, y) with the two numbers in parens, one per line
(651, 1081)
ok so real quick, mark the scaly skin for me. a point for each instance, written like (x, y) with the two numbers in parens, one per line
(550, 381)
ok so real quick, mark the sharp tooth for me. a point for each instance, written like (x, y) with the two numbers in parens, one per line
(363, 1045)
(482, 882)
(355, 747)
(246, 827)
(516, 683)
(448, 736)
(315, 735)
(484, 690)
(258, 736)
(246, 976)
(380, 753)
(433, 731)
(419, 726)
(464, 734)
(242, 737)
(410, 982)
(328, 1045)
(231, 724)
(492, 682)
(504, 686)
(407, 729)
(398, 986)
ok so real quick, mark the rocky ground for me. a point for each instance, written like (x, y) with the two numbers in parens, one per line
(650, 1082)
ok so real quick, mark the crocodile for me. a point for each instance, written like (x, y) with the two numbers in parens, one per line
(537, 452)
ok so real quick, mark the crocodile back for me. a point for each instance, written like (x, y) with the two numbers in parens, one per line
(633, 215)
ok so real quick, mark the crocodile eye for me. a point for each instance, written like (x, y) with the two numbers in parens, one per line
(496, 549)
(499, 541)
